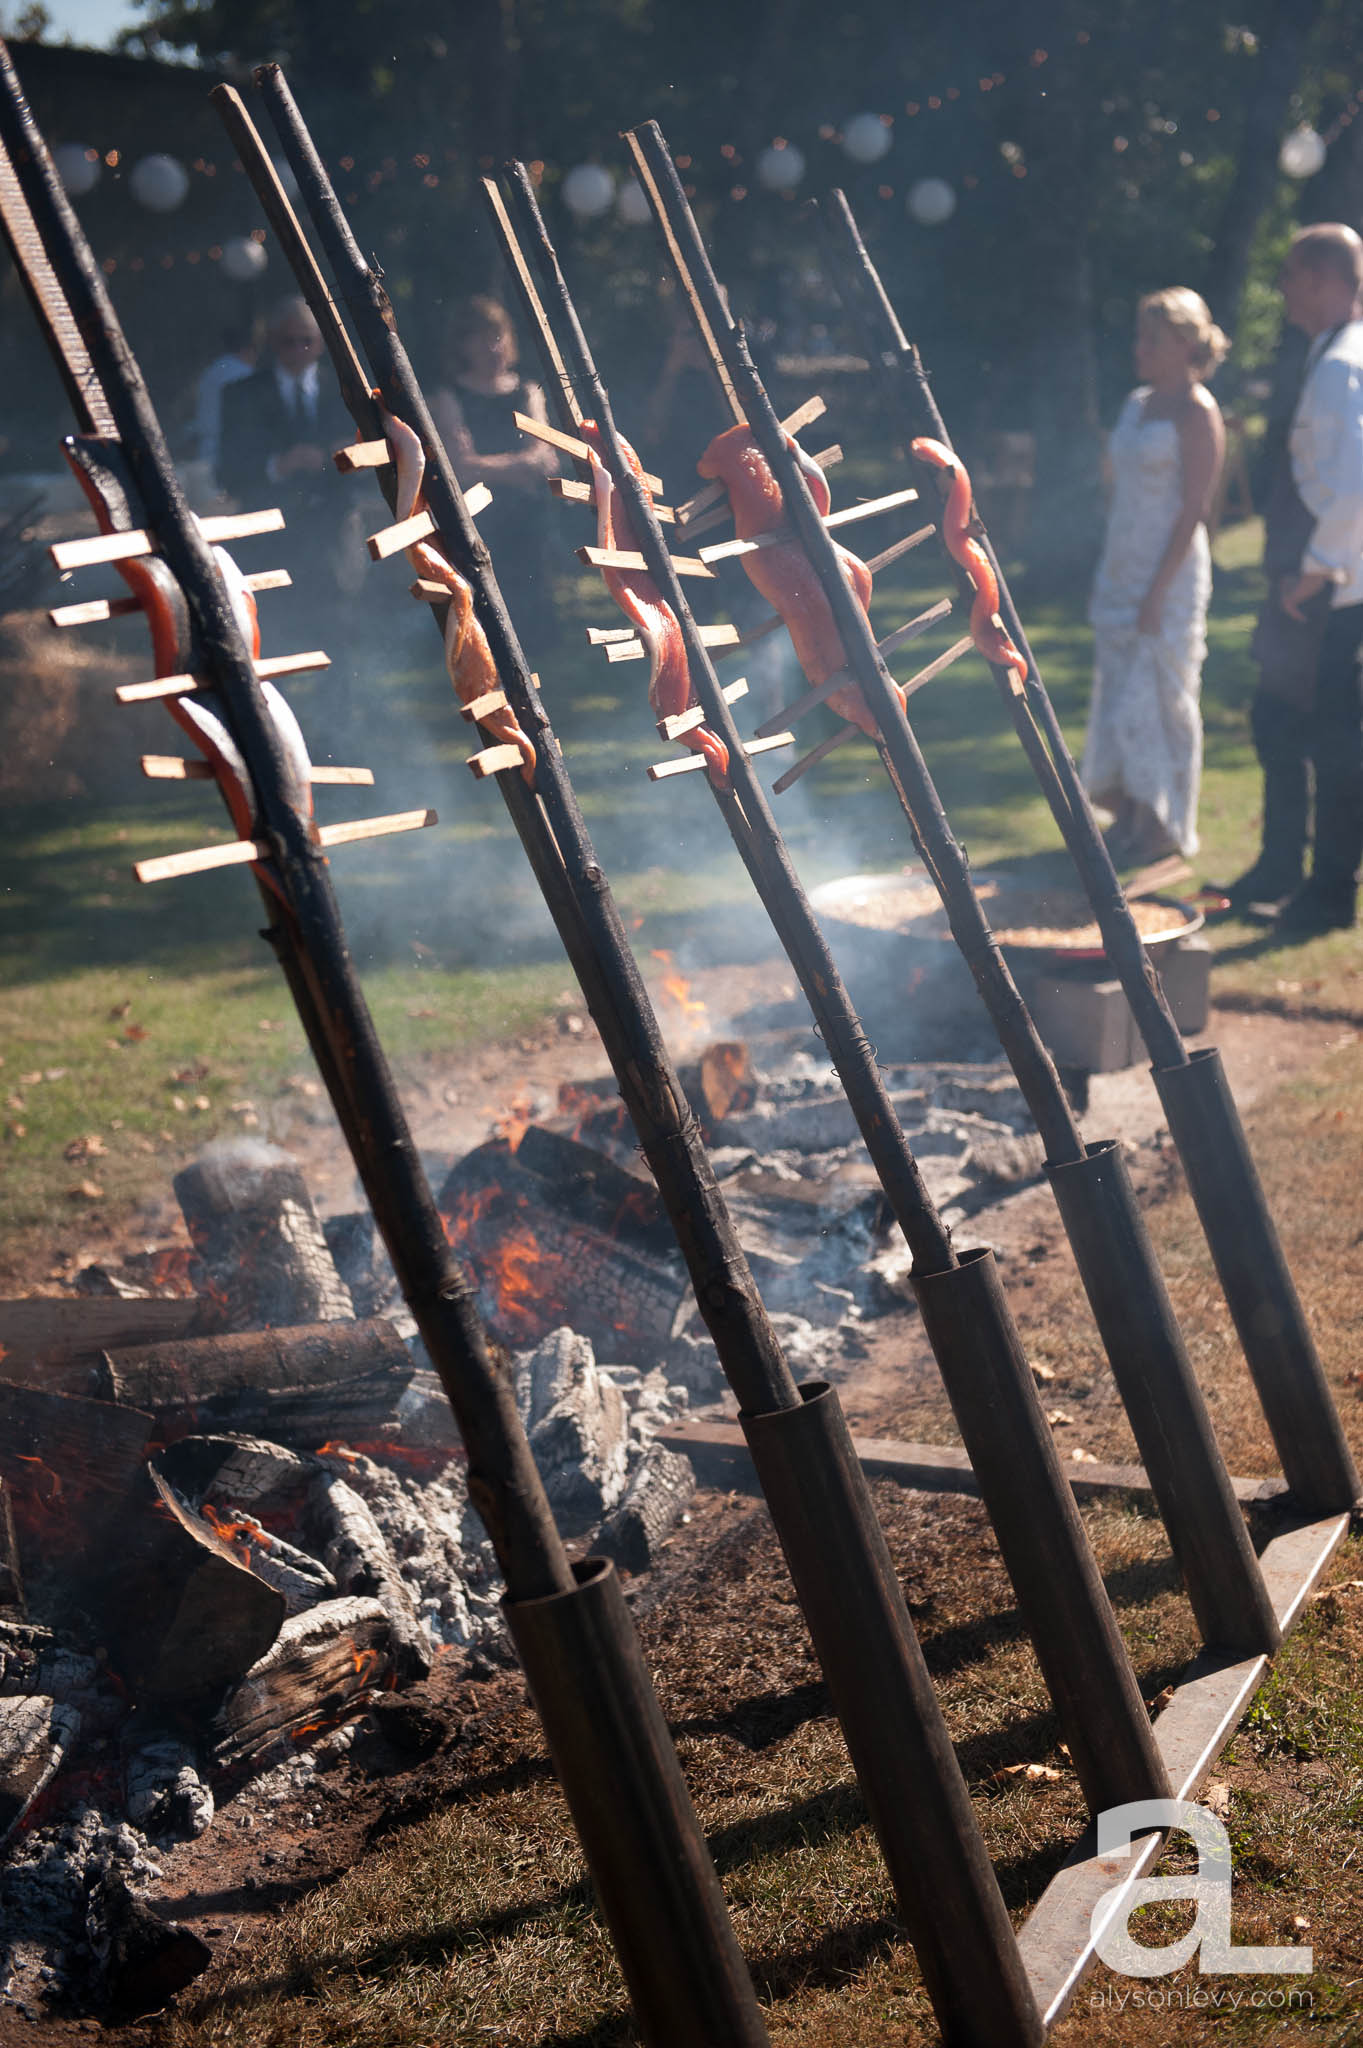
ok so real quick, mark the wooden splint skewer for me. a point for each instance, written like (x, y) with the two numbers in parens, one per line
(573, 493)
(685, 764)
(186, 685)
(493, 760)
(176, 768)
(539, 430)
(840, 681)
(362, 455)
(626, 558)
(126, 547)
(815, 755)
(687, 721)
(781, 534)
(627, 646)
(483, 707)
(165, 867)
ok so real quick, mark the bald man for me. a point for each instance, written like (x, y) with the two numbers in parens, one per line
(1307, 715)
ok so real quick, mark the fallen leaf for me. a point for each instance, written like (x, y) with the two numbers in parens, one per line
(16, 1130)
(1161, 1699)
(135, 1033)
(177, 1103)
(115, 1123)
(120, 1010)
(197, 1070)
(1216, 1798)
(56, 1073)
(86, 1191)
(1079, 1456)
(31, 1080)
(89, 1147)
(202, 1102)
(1039, 1774)
(1042, 1373)
(17, 1102)
(1058, 1417)
(421, 1013)
(1299, 1924)
(270, 1024)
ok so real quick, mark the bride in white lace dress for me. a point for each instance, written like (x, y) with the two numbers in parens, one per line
(1143, 752)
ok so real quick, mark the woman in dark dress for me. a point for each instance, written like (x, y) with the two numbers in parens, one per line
(475, 417)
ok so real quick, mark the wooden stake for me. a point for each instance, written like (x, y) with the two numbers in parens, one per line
(238, 852)
(534, 305)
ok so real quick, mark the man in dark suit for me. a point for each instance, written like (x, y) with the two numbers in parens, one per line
(280, 427)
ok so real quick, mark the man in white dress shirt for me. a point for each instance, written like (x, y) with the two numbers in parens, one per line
(1320, 284)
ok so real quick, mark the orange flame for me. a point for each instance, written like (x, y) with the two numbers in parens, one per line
(511, 1123)
(677, 990)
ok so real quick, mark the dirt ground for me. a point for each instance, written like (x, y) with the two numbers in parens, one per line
(739, 1684)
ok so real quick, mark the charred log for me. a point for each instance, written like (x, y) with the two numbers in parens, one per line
(56, 1344)
(262, 1254)
(184, 1615)
(321, 1667)
(141, 1959)
(11, 1579)
(35, 1733)
(295, 1387)
(69, 1464)
(357, 1554)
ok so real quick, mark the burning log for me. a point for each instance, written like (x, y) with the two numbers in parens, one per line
(297, 1387)
(322, 1665)
(11, 1578)
(544, 1248)
(264, 1478)
(35, 1733)
(263, 1257)
(68, 1465)
(361, 1562)
(184, 1615)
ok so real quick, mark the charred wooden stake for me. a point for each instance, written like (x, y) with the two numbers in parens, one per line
(981, 1357)
(1128, 1296)
(876, 1671)
(1203, 1118)
(705, 1996)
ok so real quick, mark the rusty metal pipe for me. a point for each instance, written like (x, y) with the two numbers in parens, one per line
(1269, 1320)
(1060, 1593)
(883, 1696)
(1163, 1401)
(688, 1983)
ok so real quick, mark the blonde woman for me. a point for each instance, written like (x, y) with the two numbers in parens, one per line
(1143, 753)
